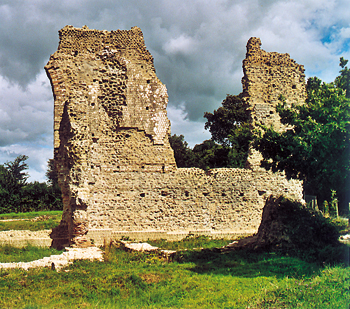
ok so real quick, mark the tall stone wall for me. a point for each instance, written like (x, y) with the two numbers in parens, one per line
(115, 166)
(267, 76)
(110, 116)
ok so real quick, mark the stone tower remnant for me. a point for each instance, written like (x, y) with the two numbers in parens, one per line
(115, 166)
(267, 76)
(110, 116)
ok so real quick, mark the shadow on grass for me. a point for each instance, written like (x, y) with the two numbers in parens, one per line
(249, 263)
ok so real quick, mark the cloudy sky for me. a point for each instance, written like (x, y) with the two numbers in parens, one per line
(198, 47)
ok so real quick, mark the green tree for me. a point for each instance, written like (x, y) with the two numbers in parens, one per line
(17, 195)
(343, 80)
(182, 152)
(210, 155)
(317, 148)
(13, 177)
(55, 194)
(205, 155)
(16, 175)
(229, 126)
(51, 173)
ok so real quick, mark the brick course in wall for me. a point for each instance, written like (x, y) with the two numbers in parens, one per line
(115, 165)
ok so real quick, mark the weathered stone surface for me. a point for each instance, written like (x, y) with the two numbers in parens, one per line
(116, 168)
(110, 116)
(267, 76)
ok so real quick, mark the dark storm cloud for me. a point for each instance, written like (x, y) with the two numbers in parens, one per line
(195, 44)
(198, 47)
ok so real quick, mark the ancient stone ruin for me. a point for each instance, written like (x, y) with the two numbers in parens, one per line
(115, 166)
(267, 76)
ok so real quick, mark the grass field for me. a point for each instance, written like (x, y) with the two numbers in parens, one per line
(33, 221)
(195, 279)
(26, 254)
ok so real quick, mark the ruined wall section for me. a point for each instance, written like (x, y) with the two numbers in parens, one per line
(110, 116)
(115, 166)
(267, 76)
(221, 203)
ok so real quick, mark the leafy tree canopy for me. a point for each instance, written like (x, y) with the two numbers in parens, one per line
(51, 173)
(16, 195)
(17, 169)
(182, 152)
(13, 175)
(205, 155)
(210, 155)
(229, 126)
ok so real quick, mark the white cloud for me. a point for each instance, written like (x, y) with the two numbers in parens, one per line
(37, 161)
(182, 44)
(193, 131)
(26, 114)
(345, 33)
(26, 124)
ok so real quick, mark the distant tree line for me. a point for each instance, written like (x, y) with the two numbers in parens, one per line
(315, 150)
(19, 195)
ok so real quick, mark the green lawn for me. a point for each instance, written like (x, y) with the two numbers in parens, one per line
(33, 221)
(26, 254)
(196, 279)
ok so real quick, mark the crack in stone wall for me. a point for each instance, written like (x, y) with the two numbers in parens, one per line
(115, 165)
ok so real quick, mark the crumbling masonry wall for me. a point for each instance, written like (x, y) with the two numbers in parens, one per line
(267, 76)
(115, 166)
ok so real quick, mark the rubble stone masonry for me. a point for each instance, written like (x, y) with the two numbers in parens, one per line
(115, 165)
(267, 76)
